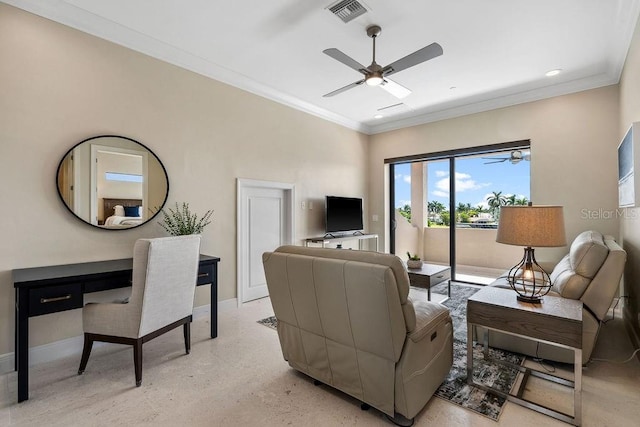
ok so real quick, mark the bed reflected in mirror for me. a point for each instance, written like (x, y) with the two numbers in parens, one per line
(112, 182)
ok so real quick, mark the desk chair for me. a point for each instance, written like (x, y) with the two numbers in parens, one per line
(163, 287)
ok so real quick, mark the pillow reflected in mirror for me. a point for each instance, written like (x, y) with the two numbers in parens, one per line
(112, 182)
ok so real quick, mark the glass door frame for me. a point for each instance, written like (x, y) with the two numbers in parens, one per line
(450, 155)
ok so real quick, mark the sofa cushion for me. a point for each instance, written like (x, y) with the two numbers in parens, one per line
(572, 275)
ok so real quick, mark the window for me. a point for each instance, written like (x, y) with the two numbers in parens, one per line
(122, 177)
(446, 206)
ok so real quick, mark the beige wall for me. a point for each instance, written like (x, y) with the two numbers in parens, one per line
(60, 86)
(573, 155)
(630, 222)
(475, 247)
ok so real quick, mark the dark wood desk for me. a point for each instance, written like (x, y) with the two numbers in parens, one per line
(44, 290)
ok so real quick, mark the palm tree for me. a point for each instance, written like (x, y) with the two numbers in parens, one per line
(435, 207)
(511, 200)
(522, 201)
(480, 209)
(464, 207)
(494, 201)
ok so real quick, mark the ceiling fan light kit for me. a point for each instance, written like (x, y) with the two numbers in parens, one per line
(373, 79)
(515, 157)
(374, 74)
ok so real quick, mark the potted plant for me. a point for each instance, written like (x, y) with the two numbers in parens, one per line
(414, 261)
(181, 221)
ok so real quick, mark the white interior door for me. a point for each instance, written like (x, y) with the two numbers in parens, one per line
(265, 221)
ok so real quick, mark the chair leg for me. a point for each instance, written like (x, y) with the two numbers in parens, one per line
(137, 361)
(86, 351)
(187, 337)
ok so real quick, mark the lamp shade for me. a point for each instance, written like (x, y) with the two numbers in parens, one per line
(531, 226)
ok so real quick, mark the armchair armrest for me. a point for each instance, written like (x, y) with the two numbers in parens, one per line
(428, 316)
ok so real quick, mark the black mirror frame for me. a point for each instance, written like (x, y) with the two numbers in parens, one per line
(166, 175)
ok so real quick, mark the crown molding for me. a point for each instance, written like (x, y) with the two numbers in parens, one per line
(79, 19)
(70, 15)
(464, 107)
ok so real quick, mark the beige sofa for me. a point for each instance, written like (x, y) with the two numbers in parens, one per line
(590, 272)
(345, 319)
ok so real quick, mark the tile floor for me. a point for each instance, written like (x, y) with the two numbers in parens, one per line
(241, 379)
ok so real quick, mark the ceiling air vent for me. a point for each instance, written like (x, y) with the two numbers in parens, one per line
(347, 10)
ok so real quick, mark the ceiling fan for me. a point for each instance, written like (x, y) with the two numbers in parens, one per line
(515, 157)
(376, 75)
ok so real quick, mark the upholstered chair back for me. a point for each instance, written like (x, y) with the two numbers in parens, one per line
(391, 261)
(342, 317)
(165, 271)
(591, 271)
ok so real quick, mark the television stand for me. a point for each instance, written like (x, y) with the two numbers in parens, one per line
(330, 238)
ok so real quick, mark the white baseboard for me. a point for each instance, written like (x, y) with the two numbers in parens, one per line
(70, 346)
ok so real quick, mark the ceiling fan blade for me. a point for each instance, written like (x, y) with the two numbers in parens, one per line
(426, 53)
(496, 161)
(343, 89)
(346, 60)
(395, 89)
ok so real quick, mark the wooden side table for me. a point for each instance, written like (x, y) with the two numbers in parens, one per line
(556, 321)
(429, 275)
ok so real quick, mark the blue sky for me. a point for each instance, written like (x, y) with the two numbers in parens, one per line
(474, 180)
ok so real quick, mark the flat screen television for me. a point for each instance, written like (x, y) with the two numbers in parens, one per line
(343, 214)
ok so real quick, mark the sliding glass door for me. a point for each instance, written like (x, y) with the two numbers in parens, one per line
(446, 207)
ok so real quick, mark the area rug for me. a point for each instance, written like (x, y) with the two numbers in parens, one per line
(455, 388)
(269, 322)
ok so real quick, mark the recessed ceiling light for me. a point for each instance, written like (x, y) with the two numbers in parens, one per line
(378, 116)
(553, 72)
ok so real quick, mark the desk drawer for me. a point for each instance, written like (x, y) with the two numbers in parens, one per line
(434, 279)
(205, 274)
(55, 298)
(114, 281)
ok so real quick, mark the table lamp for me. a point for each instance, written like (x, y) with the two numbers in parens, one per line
(530, 226)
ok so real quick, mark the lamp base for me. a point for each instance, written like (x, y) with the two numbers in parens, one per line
(532, 300)
(528, 279)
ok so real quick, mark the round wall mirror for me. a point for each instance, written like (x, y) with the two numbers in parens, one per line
(112, 182)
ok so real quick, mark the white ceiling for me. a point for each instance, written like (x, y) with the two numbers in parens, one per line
(496, 52)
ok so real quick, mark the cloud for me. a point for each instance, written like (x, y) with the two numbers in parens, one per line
(405, 178)
(441, 174)
(486, 196)
(463, 183)
(483, 203)
(439, 193)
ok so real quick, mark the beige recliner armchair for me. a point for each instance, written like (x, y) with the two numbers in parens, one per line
(590, 272)
(345, 319)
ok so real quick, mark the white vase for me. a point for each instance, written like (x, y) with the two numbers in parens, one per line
(412, 263)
